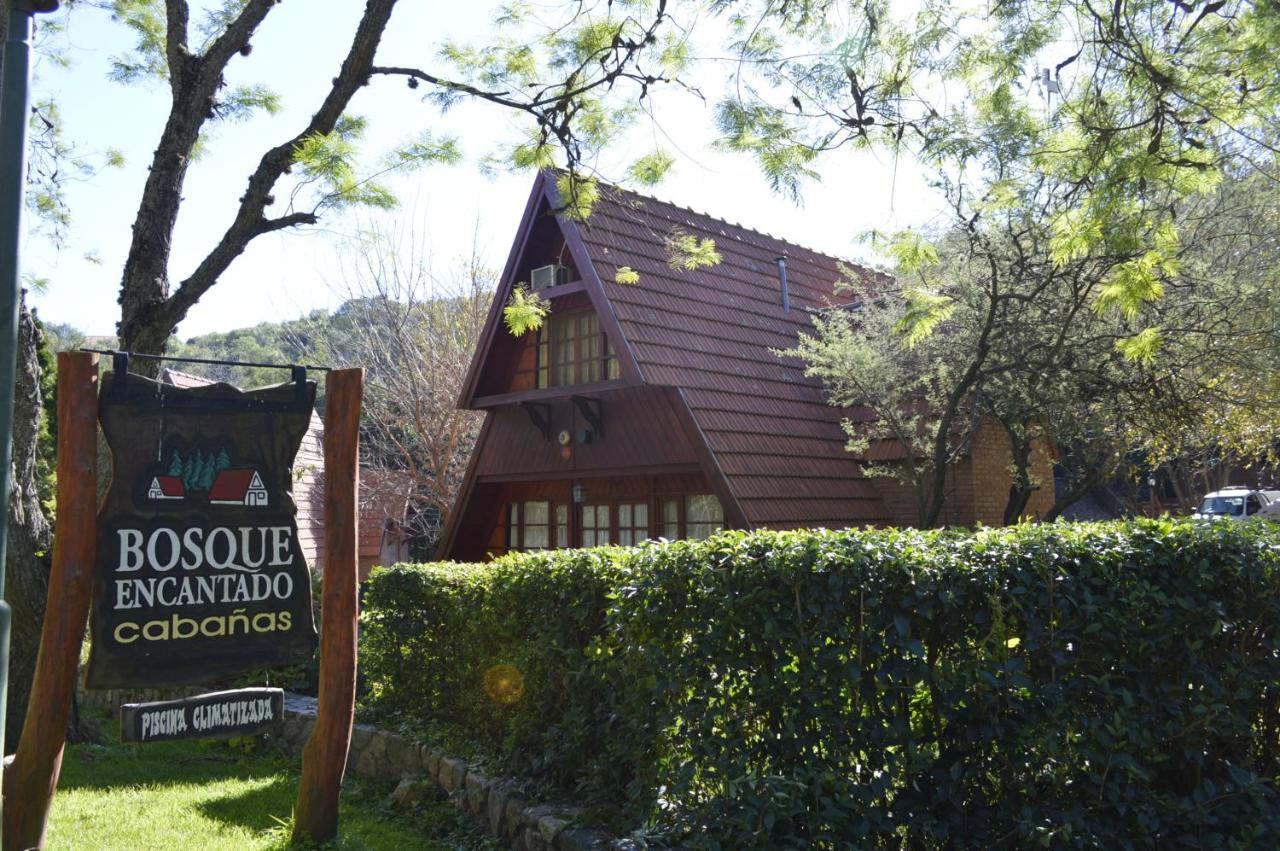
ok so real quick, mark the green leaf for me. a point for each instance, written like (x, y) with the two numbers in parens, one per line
(650, 169)
(241, 102)
(912, 252)
(1074, 234)
(626, 275)
(328, 160)
(425, 150)
(146, 19)
(578, 195)
(686, 252)
(765, 133)
(538, 153)
(925, 311)
(594, 37)
(1131, 284)
(1143, 346)
(524, 311)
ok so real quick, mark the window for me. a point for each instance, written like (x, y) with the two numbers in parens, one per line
(528, 525)
(633, 523)
(595, 525)
(562, 525)
(696, 516)
(573, 350)
(703, 516)
(671, 519)
(1224, 505)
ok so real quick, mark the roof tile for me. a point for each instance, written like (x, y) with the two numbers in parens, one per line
(712, 333)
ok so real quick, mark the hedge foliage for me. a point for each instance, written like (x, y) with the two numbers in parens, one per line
(1087, 686)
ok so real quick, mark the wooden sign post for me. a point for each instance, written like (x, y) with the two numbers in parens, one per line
(236, 604)
(30, 780)
(324, 758)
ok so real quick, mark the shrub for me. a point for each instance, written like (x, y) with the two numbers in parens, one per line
(1111, 685)
(494, 651)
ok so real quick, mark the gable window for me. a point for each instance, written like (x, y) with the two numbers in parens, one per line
(697, 516)
(573, 350)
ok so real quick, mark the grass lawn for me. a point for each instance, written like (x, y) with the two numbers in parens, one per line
(209, 795)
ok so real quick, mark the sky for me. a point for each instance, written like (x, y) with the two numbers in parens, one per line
(447, 209)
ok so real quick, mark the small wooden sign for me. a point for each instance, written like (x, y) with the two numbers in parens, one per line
(218, 715)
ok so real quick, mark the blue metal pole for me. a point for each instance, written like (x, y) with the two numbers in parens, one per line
(14, 105)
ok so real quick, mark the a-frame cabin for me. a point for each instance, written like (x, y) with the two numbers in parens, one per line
(656, 408)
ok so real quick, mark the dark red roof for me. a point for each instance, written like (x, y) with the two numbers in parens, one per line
(170, 485)
(184, 380)
(384, 495)
(711, 333)
(231, 484)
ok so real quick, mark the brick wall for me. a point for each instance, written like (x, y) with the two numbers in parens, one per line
(989, 476)
(977, 487)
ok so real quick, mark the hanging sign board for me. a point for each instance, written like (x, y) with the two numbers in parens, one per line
(199, 572)
(219, 715)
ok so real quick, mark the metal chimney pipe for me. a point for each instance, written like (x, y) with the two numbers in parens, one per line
(782, 282)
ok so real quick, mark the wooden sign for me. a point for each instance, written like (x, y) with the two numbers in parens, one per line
(172, 514)
(219, 715)
(199, 571)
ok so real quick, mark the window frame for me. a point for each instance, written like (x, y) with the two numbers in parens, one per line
(521, 525)
(638, 533)
(681, 502)
(548, 346)
(565, 526)
(609, 529)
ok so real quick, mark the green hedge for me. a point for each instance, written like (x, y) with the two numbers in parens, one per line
(1113, 685)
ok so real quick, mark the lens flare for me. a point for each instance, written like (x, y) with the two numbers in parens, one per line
(504, 684)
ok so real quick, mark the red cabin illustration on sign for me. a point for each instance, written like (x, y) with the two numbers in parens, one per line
(166, 487)
(238, 487)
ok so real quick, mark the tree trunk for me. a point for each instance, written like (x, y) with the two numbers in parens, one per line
(151, 304)
(1073, 495)
(1021, 488)
(26, 583)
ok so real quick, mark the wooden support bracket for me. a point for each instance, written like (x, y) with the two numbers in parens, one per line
(540, 415)
(592, 411)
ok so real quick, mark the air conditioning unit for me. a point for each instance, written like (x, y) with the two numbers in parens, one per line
(549, 276)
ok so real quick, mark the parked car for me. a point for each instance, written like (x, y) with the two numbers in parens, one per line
(1239, 503)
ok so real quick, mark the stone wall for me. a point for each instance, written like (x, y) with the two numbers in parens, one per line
(424, 774)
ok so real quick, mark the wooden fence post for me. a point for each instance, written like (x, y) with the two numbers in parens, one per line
(324, 758)
(30, 781)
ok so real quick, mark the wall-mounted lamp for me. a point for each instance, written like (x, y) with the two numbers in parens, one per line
(579, 494)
